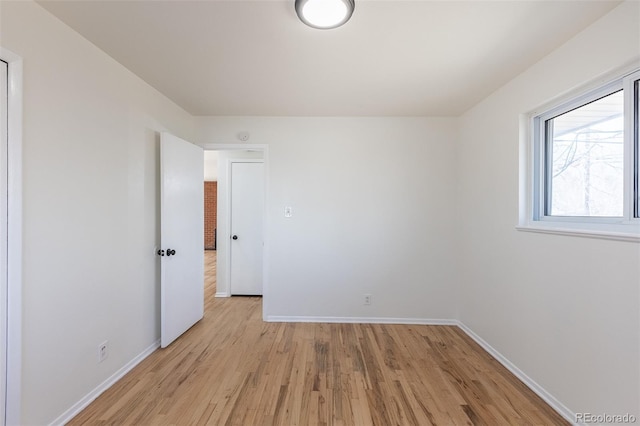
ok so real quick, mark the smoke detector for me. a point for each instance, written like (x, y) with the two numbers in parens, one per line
(243, 136)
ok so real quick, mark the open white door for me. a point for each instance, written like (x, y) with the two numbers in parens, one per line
(182, 236)
(247, 210)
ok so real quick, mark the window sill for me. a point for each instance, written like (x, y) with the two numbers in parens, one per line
(631, 235)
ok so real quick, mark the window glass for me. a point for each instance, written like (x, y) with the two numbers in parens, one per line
(585, 160)
(636, 144)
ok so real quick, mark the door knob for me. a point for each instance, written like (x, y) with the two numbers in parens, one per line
(235, 237)
(170, 252)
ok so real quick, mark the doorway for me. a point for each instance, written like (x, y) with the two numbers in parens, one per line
(228, 154)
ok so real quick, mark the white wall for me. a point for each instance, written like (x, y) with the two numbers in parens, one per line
(211, 166)
(90, 210)
(564, 310)
(372, 201)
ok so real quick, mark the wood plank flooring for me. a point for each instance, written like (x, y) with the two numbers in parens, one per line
(233, 369)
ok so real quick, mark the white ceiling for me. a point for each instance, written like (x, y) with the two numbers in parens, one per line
(394, 58)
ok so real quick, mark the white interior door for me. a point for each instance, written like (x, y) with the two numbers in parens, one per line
(182, 234)
(247, 210)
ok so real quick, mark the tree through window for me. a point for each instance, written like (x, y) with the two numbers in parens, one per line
(585, 160)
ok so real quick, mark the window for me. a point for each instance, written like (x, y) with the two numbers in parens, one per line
(636, 144)
(584, 159)
(585, 175)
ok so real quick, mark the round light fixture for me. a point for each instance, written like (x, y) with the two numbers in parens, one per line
(324, 14)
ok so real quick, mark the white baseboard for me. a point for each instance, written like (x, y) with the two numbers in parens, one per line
(569, 415)
(362, 320)
(222, 294)
(91, 396)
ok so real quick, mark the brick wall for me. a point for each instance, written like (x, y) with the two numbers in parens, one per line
(210, 214)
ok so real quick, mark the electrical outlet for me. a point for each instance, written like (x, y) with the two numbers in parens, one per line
(367, 299)
(103, 351)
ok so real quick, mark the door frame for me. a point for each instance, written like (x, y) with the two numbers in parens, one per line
(264, 148)
(230, 162)
(12, 318)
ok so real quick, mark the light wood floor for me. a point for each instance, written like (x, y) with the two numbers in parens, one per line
(233, 369)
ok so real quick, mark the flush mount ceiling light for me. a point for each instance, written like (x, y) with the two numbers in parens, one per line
(325, 14)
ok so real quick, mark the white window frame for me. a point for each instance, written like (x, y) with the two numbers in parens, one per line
(13, 402)
(533, 217)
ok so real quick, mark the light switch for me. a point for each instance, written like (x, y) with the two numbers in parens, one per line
(288, 212)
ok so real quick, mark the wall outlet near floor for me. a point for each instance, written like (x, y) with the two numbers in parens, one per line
(367, 299)
(103, 351)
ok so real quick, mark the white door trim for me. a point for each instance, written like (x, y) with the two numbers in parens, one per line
(14, 236)
(264, 148)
